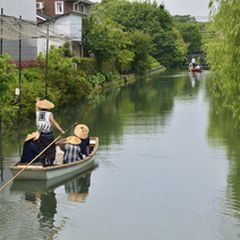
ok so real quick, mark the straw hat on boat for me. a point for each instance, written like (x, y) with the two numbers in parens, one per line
(81, 131)
(73, 140)
(45, 104)
(33, 135)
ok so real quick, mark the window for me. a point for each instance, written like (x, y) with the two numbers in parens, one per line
(59, 7)
(82, 8)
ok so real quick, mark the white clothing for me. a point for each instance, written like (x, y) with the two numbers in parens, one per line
(43, 122)
(193, 60)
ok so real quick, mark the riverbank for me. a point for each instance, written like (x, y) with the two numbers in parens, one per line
(127, 79)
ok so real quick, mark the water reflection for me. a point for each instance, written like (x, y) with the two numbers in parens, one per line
(195, 77)
(221, 132)
(78, 188)
(47, 208)
(39, 203)
(46, 203)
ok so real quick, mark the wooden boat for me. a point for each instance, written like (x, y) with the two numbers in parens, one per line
(191, 69)
(58, 171)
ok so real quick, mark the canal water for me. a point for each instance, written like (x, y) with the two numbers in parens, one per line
(168, 167)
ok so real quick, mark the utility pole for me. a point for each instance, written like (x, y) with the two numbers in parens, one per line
(46, 63)
(19, 83)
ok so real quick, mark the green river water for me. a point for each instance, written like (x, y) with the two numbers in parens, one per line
(168, 168)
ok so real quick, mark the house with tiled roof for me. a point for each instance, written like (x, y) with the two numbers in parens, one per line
(63, 18)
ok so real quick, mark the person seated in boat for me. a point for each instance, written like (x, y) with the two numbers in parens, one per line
(190, 66)
(44, 121)
(30, 148)
(198, 67)
(81, 131)
(72, 150)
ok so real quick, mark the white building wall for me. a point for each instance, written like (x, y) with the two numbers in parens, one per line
(69, 26)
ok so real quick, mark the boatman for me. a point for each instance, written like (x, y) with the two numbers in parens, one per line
(44, 121)
(193, 61)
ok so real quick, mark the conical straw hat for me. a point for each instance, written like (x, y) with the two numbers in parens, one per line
(45, 104)
(73, 140)
(32, 135)
(81, 131)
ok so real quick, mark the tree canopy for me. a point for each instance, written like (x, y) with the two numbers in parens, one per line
(151, 19)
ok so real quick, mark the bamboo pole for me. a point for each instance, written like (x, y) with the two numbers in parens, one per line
(7, 183)
(4, 186)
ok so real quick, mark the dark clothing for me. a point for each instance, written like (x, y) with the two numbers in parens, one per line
(47, 158)
(85, 146)
(30, 151)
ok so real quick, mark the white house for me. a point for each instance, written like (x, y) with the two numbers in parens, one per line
(27, 10)
(69, 26)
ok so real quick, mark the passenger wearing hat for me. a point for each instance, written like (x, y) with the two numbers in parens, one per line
(44, 121)
(81, 131)
(30, 148)
(72, 150)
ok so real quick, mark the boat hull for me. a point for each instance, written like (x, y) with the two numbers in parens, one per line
(59, 171)
(195, 70)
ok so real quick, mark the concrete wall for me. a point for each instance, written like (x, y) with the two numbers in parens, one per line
(26, 9)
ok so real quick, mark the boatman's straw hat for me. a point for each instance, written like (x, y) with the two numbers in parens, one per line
(73, 140)
(45, 104)
(81, 131)
(33, 135)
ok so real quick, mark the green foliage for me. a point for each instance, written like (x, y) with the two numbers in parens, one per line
(223, 51)
(190, 31)
(63, 77)
(101, 78)
(141, 47)
(112, 76)
(8, 78)
(124, 59)
(97, 79)
(150, 18)
(87, 65)
(105, 39)
(153, 62)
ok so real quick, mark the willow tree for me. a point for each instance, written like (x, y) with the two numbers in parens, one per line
(223, 55)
